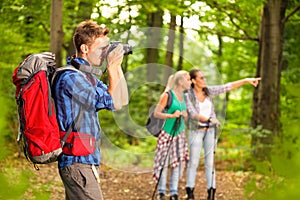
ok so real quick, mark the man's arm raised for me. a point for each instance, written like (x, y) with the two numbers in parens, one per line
(117, 83)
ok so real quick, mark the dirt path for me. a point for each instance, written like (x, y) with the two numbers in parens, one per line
(118, 185)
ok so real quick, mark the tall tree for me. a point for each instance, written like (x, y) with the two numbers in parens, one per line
(77, 12)
(154, 36)
(56, 33)
(266, 111)
(170, 49)
(181, 42)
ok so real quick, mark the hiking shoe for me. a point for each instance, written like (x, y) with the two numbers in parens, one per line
(190, 193)
(174, 197)
(161, 196)
(211, 194)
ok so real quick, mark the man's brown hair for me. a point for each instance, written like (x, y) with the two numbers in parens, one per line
(86, 32)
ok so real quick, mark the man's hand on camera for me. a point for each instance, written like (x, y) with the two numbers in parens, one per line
(115, 57)
(117, 83)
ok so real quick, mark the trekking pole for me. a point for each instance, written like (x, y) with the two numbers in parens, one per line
(214, 152)
(213, 166)
(177, 122)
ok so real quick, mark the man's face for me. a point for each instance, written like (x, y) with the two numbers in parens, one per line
(97, 51)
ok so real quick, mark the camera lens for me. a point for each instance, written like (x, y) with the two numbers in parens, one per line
(126, 47)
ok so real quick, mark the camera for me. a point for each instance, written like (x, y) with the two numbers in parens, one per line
(126, 47)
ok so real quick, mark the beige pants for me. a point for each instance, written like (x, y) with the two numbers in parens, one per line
(80, 182)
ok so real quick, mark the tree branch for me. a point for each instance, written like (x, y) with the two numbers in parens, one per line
(224, 9)
(291, 14)
(45, 28)
(211, 31)
(237, 26)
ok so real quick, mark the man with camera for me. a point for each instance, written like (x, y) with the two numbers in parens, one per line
(79, 95)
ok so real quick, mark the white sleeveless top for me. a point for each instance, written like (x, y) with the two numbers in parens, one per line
(205, 108)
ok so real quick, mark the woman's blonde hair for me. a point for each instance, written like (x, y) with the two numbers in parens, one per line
(174, 79)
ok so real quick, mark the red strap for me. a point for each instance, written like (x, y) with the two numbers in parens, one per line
(37, 141)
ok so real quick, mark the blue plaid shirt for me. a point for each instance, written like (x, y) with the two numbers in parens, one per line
(74, 90)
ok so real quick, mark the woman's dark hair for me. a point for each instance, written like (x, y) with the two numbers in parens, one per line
(193, 75)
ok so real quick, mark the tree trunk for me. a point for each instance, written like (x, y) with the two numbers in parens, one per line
(154, 37)
(181, 40)
(56, 33)
(266, 112)
(125, 62)
(170, 49)
(85, 8)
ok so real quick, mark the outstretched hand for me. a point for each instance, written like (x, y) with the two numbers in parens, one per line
(253, 81)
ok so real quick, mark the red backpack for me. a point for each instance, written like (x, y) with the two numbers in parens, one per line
(39, 134)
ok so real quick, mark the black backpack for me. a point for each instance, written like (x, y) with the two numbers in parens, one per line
(154, 125)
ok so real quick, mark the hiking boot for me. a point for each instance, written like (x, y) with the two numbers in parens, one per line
(190, 193)
(161, 196)
(174, 197)
(211, 194)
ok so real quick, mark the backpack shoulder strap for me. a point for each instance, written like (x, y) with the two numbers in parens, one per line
(60, 70)
(76, 121)
(78, 118)
(170, 99)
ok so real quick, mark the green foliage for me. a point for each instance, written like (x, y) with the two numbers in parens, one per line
(8, 115)
(238, 59)
(25, 29)
(234, 146)
(13, 183)
(281, 180)
(3, 147)
(231, 18)
(20, 182)
(25, 18)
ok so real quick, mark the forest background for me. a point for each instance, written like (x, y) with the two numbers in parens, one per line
(227, 39)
